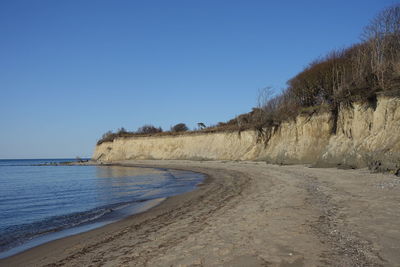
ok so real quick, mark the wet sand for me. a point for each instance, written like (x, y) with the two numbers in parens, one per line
(247, 214)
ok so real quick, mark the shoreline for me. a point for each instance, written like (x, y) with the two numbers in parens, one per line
(38, 240)
(247, 214)
(53, 247)
(117, 212)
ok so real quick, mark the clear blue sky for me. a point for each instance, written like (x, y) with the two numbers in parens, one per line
(72, 70)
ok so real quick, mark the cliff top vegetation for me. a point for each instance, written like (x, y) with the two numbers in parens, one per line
(358, 73)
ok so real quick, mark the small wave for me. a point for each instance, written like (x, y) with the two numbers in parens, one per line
(16, 235)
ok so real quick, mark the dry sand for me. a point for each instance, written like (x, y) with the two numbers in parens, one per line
(248, 214)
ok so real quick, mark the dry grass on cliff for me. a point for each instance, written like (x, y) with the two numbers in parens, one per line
(356, 74)
(110, 136)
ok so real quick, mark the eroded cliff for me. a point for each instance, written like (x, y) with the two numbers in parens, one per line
(363, 134)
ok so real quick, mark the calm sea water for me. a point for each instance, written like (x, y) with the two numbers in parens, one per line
(41, 203)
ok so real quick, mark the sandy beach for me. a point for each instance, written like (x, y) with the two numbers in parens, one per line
(247, 214)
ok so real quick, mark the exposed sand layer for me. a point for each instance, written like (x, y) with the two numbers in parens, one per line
(248, 214)
(361, 135)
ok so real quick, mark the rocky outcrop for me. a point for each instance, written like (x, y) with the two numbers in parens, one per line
(364, 134)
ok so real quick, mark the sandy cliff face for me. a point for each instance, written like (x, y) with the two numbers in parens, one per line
(365, 135)
(201, 146)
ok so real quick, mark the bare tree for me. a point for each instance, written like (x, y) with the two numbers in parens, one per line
(383, 38)
(268, 105)
(264, 95)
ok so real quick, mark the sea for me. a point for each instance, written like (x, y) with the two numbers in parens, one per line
(41, 201)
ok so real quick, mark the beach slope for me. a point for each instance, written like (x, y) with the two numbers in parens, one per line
(247, 214)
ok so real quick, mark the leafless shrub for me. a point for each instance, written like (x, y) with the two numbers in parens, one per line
(107, 137)
(180, 127)
(357, 73)
(382, 37)
(121, 131)
(148, 129)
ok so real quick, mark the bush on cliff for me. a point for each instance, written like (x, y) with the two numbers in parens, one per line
(149, 129)
(180, 127)
(358, 73)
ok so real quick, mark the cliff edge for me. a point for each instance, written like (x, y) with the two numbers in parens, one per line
(363, 134)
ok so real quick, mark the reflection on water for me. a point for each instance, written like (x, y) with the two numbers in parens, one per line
(116, 182)
(41, 199)
(120, 171)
